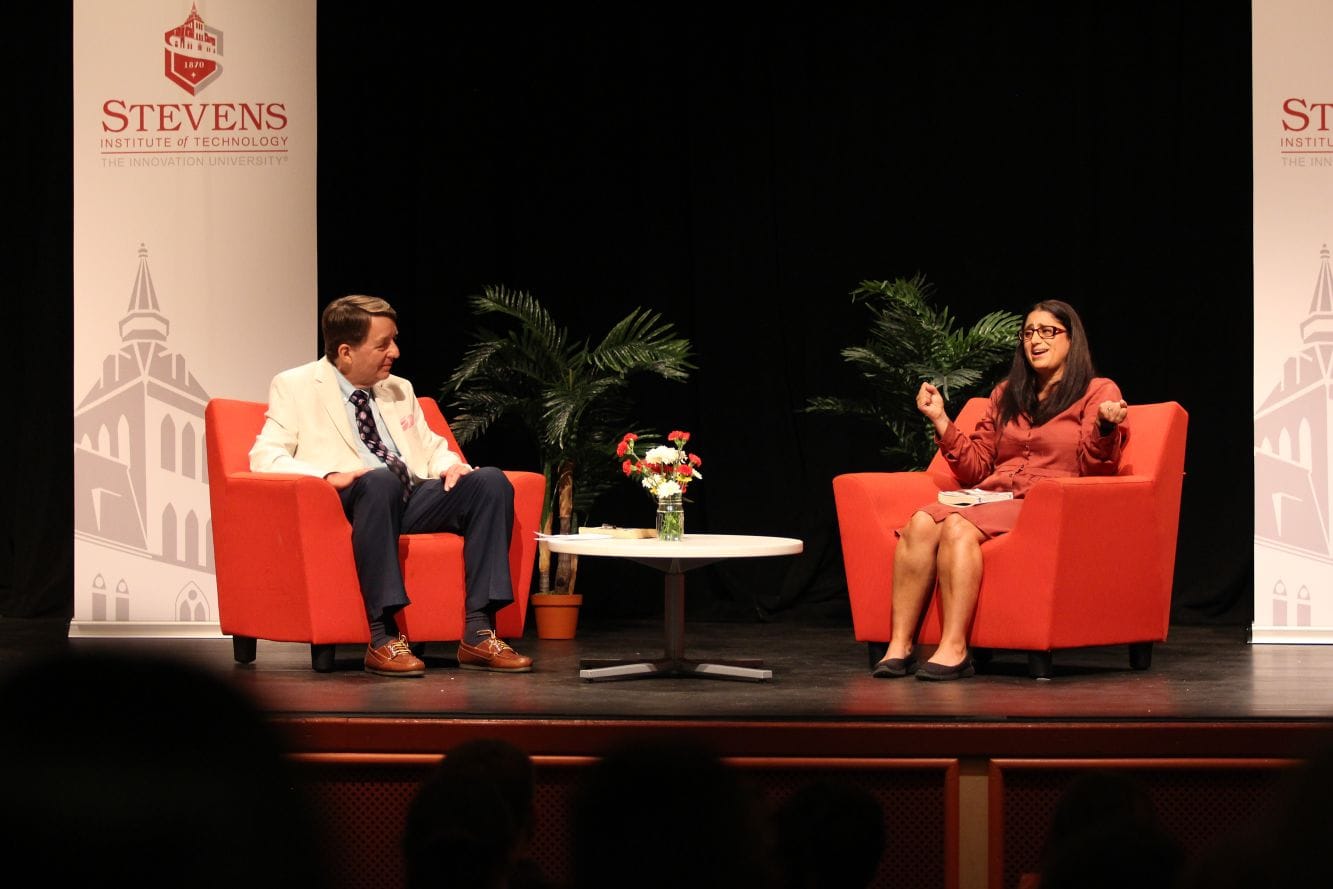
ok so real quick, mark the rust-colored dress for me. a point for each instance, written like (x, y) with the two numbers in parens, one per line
(1018, 456)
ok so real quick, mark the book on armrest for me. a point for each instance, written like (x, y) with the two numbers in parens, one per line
(973, 496)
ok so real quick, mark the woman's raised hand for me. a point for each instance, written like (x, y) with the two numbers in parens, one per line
(930, 402)
(1113, 412)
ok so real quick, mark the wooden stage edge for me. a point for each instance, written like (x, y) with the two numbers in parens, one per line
(982, 793)
(403, 739)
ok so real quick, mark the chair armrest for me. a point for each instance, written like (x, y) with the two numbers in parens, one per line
(871, 507)
(1083, 550)
(529, 492)
(523, 478)
(879, 503)
(1087, 510)
(301, 518)
(272, 476)
(279, 500)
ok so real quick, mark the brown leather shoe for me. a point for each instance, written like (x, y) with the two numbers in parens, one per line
(492, 654)
(394, 658)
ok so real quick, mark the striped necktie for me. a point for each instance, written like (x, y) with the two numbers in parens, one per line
(365, 425)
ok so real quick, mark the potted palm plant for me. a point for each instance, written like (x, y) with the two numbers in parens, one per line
(910, 341)
(572, 397)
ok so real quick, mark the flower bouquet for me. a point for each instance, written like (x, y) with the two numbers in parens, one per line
(665, 471)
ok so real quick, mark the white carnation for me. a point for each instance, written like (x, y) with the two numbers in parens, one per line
(668, 489)
(662, 454)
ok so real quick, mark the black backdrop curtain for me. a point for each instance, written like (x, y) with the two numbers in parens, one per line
(741, 174)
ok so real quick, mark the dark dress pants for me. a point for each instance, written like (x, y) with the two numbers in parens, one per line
(480, 508)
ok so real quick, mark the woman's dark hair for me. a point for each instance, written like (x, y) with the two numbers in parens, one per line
(1020, 393)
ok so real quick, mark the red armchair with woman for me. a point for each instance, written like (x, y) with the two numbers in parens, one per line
(1053, 417)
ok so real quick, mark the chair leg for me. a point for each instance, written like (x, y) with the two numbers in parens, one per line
(1040, 664)
(321, 657)
(876, 650)
(1140, 655)
(243, 649)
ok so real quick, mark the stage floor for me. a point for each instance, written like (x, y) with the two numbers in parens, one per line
(819, 674)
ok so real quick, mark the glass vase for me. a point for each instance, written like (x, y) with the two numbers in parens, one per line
(670, 518)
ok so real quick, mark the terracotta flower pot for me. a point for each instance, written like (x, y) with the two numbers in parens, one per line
(557, 614)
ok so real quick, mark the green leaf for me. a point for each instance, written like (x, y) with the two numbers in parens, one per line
(908, 340)
(571, 398)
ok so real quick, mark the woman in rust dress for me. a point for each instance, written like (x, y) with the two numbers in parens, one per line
(1052, 417)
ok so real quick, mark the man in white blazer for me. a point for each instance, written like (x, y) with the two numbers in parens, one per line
(346, 419)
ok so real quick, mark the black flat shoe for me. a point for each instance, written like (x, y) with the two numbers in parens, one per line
(895, 668)
(941, 673)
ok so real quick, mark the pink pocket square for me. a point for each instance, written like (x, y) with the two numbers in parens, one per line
(408, 422)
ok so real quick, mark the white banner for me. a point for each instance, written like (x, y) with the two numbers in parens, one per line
(1293, 322)
(194, 277)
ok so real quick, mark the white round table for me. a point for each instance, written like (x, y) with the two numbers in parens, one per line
(674, 558)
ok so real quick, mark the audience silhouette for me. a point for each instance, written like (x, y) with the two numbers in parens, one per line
(661, 814)
(1105, 833)
(132, 769)
(471, 822)
(1283, 843)
(830, 835)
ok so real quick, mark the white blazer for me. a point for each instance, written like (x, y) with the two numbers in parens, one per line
(306, 430)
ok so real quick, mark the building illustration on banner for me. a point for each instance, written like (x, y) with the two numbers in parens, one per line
(192, 50)
(143, 534)
(1293, 482)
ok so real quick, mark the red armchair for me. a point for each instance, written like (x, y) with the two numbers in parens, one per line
(283, 551)
(1089, 562)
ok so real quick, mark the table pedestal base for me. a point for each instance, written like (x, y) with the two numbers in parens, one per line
(750, 669)
(674, 662)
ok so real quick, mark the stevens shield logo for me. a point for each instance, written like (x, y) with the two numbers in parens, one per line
(191, 52)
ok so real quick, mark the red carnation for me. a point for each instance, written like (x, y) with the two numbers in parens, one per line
(679, 436)
(627, 466)
(695, 461)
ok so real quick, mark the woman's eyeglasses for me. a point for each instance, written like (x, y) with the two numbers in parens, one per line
(1046, 332)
